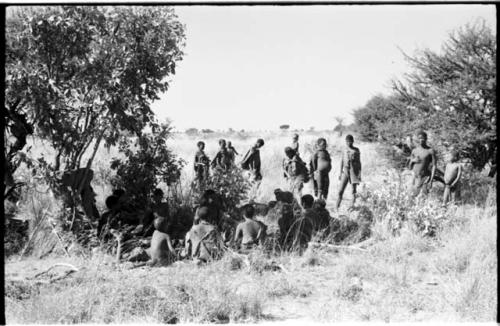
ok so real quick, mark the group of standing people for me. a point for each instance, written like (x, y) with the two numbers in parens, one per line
(422, 162)
(225, 158)
(320, 166)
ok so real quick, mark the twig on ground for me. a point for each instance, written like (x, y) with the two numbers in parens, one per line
(327, 245)
(73, 269)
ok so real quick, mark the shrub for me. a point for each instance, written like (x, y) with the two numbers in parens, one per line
(142, 170)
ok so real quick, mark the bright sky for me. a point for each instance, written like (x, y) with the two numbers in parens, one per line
(257, 67)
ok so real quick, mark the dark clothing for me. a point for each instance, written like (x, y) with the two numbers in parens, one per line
(284, 196)
(295, 168)
(201, 164)
(251, 162)
(222, 160)
(351, 165)
(295, 147)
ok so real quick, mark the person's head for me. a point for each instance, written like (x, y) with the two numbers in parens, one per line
(307, 201)
(454, 156)
(118, 192)
(160, 223)
(112, 202)
(207, 197)
(295, 137)
(259, 143)
(229, 144)
(201, 145)
(248, 211)
(277, 194)
(319, 203)
(289, 152)
(157, 195)
(349, 140)
(203, 213)
(321, 143)
(421, 137)
(222, 143)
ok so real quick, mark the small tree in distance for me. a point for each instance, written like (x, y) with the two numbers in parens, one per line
(284, 127)
(339, 128)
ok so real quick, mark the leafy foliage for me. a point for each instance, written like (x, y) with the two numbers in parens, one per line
(145, 166)
(84, 73)
(450, 93)
(232, 185)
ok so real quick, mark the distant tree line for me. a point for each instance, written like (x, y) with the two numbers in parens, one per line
(451, 94)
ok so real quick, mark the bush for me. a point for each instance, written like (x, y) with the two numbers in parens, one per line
(232, 185)
(142, 170)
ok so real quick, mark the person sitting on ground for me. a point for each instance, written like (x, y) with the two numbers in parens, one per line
(251, 161)
(129, 214)
(295, 171)
(302, 229)
(158, 208)
(161, 250)
(203, 242)
(213, 202)
(320, 166)
(110, 218)
(283, 196)
(323, 216)
(452, 174)
(251, 232)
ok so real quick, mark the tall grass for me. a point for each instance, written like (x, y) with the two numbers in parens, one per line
(427, 262)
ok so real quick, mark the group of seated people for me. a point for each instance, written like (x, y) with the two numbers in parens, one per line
(211, 230)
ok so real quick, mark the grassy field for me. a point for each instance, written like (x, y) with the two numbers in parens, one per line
(402, 276)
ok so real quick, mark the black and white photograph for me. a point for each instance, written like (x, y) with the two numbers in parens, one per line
(257, 163)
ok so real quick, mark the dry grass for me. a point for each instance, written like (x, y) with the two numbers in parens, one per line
(403, 276)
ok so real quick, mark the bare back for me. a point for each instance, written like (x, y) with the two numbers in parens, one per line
(250, 231)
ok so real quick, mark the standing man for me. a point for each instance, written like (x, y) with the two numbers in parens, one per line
(350, 170)
(295, 143)
(251, 161)
(423, 164)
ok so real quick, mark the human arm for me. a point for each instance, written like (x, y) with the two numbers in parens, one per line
(459, 174)
(434, 163)
(169, 244)
(262, 234)
(284, 166)
(237, 236)
(196, 162)
(341, 167)
(215, 160)
(187, 244)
